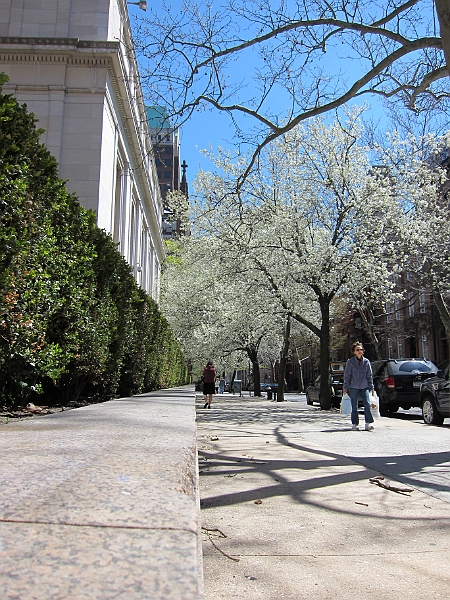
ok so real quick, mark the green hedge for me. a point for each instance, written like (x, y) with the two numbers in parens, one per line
(73, 322)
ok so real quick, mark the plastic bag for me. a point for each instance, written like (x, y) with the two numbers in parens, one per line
(375, 405)
(346, 405)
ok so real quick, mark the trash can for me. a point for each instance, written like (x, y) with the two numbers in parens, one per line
(269, 393)
(237, 387)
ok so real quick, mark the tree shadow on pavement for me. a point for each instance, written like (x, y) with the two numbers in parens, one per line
(281, 472)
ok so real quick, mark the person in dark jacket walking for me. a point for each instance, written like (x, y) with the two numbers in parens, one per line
(358, 381)
(209, 377)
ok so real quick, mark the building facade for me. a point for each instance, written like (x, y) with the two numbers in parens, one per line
(72, 63)
(166, 148)
(408, 327)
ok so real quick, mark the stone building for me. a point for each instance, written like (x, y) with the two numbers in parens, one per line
(166, 147)
(72, 63)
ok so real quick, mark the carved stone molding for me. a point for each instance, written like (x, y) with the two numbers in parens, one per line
(70, 51)
(81, 60)
(73, 42)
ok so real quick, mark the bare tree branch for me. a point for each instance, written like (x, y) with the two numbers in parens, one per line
(299, 60)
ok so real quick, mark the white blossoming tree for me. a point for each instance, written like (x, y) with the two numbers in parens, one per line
(315, 222)
(215, 310)
(419, 166)
(323, 218)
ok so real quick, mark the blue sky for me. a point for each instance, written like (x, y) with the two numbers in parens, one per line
(205, 129)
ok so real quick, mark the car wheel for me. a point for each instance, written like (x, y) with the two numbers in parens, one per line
(430, 413)
(393, 408)
(384, 409)
(308, 400)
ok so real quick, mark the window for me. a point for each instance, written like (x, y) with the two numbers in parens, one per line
(398, 314)
(389, 345)
(167, 174)
(411, 304)
(388, 312)
(412, 366)
(399, 348)
(424, 345)
(422, 307)
(118, 202)
(165, 162)
(408, 277)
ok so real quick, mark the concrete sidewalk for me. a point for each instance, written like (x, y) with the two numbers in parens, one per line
(101, 502)
(302, 521)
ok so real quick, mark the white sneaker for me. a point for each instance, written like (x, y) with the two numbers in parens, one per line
(356, 428)
(368, 427)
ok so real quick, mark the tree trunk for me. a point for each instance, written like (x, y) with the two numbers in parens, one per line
(443, 13)
(233, 377)
(368, 319)
(324, 367)
(253, 356)
(256, 378)
(283, 359)
(443, 313)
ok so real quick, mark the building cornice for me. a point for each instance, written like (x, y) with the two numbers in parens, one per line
(68, 51)
(73, 42)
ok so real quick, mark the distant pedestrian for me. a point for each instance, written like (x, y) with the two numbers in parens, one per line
(358, 382)
(216, 385)
(221, 385)
(209, 376)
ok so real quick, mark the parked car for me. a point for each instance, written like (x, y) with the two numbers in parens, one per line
(398, 382)
(336, 385)
(264, 386)
(435, 398)
(271, 390)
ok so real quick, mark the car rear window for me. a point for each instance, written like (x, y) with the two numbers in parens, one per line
(413, 366)
(337, 367)
(339, 377)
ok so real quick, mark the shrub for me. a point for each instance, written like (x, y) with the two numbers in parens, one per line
(73, 322)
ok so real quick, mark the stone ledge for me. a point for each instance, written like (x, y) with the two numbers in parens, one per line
(52, 41)
(102, 502)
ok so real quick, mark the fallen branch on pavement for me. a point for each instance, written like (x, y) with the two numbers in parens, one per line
(208, 533)
(388, 486)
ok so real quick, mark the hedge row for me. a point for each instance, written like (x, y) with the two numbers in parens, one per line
(73, 322)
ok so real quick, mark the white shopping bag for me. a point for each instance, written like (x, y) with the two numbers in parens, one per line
(346, 405)
(375, 405)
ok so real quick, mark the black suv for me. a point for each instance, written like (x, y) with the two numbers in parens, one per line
(398, 382)
(435, 398)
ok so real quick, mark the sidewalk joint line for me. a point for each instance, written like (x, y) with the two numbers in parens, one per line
(344, 555)
(94, 525)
